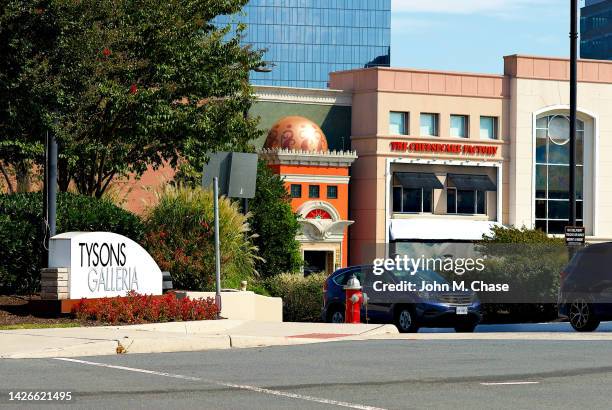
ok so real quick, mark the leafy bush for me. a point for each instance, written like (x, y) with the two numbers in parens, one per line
(22, 234)
(276, 225)
(530, 261)
(180, 237)
(502, 234)
(302, 296)
(136, 308)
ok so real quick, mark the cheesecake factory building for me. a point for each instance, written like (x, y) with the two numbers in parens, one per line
(444, 156)
(418, 156)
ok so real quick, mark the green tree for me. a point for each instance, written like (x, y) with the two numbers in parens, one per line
(124, 85)
(276, 225)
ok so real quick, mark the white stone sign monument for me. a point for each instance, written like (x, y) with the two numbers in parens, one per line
(101, 264)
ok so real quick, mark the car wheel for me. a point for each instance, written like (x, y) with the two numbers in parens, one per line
(335, 315)
(581, 317)
(467, 327)
(405, 321)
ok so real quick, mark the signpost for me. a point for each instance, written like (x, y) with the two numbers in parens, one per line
(233, 174)
(574, 235)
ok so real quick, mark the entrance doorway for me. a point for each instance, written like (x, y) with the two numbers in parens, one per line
(318, 261)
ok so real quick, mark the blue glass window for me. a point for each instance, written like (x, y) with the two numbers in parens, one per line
(488, 128)
(429, 124)
(459, 126)
(398, 123)
(334, 34)
(552, 173)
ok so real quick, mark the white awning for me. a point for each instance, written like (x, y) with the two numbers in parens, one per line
(439, 229)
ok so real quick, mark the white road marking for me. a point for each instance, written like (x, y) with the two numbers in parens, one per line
(507, 383)
(231, 385)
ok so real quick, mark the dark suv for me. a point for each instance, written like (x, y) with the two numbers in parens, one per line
(458, 310)
(585, 296)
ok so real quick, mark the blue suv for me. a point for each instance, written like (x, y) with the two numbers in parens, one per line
(458, 310)
(585, 296)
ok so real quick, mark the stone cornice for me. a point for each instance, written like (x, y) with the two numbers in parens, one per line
(278, 156)
(293, 95)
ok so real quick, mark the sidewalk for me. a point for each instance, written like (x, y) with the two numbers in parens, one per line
(176, 337)
(227, 334)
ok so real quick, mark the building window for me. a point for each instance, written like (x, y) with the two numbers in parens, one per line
(488, 128)
(459, 126)
(412, 200)
(552, 173)
(461, 201)
(398, 123)
(313, 191)
(332, 192)
(429, 125)
(296, 191)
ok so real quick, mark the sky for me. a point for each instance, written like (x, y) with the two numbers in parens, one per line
(474, 35)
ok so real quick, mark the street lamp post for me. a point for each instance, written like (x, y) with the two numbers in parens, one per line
(573, 110)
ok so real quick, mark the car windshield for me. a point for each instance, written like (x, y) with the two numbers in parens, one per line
(418, 276)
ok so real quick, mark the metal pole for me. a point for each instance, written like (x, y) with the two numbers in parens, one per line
(217, 247)
(50, 191)
(573, 110)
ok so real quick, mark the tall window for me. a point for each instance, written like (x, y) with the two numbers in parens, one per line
(488, 128)
(412, 200)
(398, 123)
(459, 126)
(429, 124)
(296, 191)
(313, 191)
(459, 201)
(332, 191)
(552, 173)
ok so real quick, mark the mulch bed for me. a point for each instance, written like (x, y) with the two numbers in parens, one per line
(14, 311)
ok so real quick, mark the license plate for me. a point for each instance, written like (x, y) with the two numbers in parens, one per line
(462, 310)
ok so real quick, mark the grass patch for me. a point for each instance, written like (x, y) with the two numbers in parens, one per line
(38, 326)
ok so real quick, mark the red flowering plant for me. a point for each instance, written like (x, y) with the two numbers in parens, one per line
(137, 308)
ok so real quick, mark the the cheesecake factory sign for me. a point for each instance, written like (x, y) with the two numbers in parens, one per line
(443, 148)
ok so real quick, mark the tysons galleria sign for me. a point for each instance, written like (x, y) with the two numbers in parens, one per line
(104, 264)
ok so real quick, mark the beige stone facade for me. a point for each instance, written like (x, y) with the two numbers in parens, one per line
(527, 105)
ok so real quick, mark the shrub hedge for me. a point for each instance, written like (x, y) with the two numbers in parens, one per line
(22, 234)
(136, 308)
(302, 296)
(531, 261)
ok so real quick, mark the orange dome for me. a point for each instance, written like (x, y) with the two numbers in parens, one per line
(297, 133)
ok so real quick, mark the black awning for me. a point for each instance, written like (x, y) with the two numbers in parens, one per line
(418, 180)
(472, 182)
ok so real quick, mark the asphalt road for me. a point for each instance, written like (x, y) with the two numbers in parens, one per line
(397, 374)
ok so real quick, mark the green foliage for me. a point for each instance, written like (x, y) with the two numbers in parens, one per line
(302, 296)
(502, 234)
(275, 224)
(530, 262)
(22, 234)
(180, 237)
(123, 85)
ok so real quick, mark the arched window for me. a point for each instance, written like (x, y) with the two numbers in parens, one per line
(318, 214)
(552, 173)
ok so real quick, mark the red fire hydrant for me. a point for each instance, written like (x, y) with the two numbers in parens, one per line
(354, 299)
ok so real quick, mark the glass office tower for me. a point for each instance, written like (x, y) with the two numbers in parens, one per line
(596, 30)
(308, 39)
